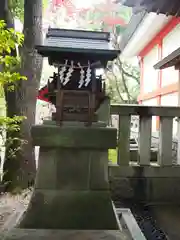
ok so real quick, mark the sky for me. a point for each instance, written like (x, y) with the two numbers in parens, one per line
(18, 25)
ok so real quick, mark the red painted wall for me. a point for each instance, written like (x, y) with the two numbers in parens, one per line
(157, 40)
(160, 91)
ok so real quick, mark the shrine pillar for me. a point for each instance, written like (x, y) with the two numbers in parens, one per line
(71, 189)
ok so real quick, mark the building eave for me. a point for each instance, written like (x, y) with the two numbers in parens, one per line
(166, 7)
(145, 29)
(133, 25)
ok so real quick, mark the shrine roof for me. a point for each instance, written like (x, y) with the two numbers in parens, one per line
(77, 41)
(159, 6)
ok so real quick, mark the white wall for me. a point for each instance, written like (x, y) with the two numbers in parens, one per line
(170, 43)
(169, 76)
(150, 75)
(170, 99)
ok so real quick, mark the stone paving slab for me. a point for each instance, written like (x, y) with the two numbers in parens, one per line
(36, 234)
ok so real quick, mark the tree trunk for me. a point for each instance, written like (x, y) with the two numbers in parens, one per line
(25, 96)
(28, 90)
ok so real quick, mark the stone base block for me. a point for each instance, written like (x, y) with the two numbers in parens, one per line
(70, 210)
(75, 136)
(34, 234)
(71, 188)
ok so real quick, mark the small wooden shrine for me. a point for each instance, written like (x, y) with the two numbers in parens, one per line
(75, 89)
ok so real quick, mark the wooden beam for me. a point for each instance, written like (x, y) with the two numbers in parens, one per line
(160, 91)
(140, 110)
(169, 61)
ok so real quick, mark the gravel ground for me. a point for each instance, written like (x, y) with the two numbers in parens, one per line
(10, 204)
(145, 220)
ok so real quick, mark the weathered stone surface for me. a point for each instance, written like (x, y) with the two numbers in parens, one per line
(75, 124)
(71, 188)
(75, 169)
(74, 137)
(29, 234)
(146, 184)
(98, 172)
(70, 210)
(152, 171)
(121, 187)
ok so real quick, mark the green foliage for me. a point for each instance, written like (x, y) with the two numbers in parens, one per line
(9, 40)
(17, 8)
(45, 4)
(12, 126)
(123, 82)
(112, 156)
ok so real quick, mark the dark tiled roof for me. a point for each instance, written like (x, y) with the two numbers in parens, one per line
(66, 40)
(168, 7)
(78, 39)
(70, 33)
(77, 43)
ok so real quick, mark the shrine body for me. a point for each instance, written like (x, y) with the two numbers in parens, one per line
(75, 89)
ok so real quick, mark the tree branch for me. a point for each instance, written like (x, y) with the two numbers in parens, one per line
(117, 88)
(124, 81)
(131, 76)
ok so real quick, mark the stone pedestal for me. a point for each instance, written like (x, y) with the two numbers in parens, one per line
(71, 189)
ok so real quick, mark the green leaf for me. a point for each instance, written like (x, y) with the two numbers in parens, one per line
(17, 8)
(9, 39)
